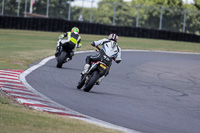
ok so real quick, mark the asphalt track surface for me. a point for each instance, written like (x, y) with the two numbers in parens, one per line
(151, 92)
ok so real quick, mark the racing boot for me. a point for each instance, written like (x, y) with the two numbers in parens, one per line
(57, 52)
(71, 54)
(86, 67)
(99, 80)
(58, 48)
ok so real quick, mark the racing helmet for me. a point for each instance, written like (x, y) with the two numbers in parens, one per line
(113, 37)
(75, 29)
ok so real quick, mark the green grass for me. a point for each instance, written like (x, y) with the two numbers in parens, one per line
(18, 48)
(14, 119)
(3, 100)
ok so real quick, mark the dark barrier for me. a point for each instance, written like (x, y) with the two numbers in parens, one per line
(60, 25)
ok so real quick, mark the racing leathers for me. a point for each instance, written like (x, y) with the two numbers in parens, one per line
(69, 42)
(110, 48)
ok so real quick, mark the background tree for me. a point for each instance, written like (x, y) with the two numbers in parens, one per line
(57, 8)
(150, 13)
(11, 7)
(197, 4)
(125, 13)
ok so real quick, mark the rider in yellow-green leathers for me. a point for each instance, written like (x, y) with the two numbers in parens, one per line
(69, 42)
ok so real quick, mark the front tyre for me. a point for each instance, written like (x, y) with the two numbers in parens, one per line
(81, 83)
(60, 59)
(92, 81)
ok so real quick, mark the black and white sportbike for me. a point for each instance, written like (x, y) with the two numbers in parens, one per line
(63, 56)
(96, 71)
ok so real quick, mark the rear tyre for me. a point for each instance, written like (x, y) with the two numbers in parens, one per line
(60, 59)
(92, 81)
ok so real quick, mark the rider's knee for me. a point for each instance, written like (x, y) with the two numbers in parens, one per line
(88, 59)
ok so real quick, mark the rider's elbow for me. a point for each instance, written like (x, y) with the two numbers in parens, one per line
(118, 61)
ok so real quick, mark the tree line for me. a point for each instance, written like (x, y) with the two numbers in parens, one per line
(138, 13)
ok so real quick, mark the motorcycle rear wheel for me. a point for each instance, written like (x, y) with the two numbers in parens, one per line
(92, 81)
(60, 59)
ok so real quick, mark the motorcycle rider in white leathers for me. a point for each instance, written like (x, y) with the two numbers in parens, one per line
(110, 48)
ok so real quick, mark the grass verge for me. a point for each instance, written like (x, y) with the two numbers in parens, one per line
(14, 119)
(20, 119)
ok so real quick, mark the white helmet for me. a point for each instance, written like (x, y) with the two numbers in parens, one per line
(113, 37)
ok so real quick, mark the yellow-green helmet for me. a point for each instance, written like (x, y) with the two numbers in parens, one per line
(75, 29)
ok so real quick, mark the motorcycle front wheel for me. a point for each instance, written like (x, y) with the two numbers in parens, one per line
(60, 59)
(92, 81)
(81, 83)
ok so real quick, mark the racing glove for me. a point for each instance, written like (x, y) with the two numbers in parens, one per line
(93, 44)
